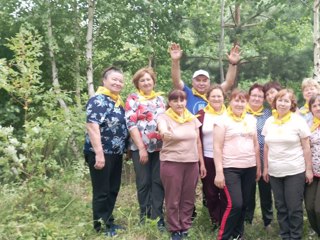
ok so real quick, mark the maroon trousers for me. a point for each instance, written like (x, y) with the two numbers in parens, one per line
(215, 197)
(179, 182)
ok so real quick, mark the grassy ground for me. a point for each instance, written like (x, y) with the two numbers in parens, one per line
(60, 208)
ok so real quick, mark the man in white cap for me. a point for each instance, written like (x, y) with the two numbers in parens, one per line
(196, 96)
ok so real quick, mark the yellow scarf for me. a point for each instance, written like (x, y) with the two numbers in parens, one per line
(259, 112)
(315, 123)
(234, 117)
(152, 95)
(196, 93)
(186, 117)
(114, 97)
(209, 109)
(283, 120)
(305, 109)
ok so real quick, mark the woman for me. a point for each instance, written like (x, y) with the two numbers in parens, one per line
(312, 193)
(309, 87)
(105, 144)
(270, 90)
(142, 109)
(255, 108)
(237, 162)
(215, 197)
(179, 165)
(287, 162)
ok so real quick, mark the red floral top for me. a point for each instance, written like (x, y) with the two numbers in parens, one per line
(143, 115)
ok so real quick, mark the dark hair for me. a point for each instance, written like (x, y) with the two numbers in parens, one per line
(256, 86)
(292, 97)
(270, 85)
(312, 100)
(139, 74)
(177, 94)
(213, 87)
(238, 93)
(107, 71)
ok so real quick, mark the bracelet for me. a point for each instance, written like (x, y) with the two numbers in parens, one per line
(233, 64)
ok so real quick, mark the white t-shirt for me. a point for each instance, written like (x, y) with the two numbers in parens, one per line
(285, 155)
(207, 133)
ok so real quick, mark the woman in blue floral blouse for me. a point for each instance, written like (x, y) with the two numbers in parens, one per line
(105, 144)
(142, 109)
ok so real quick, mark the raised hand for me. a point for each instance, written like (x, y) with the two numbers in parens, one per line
(175, 51)
(234, 56)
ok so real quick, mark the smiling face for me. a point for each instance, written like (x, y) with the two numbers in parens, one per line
(270, 95)
(256, 99)
(283, 104)
(309, 91)
(146, 84)
(201, 83)
(238, 105)
(216, 99)
(114, 82)
(178, 105)
(315, 107)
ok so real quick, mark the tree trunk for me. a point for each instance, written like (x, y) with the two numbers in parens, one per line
(89, 47)
(316, 40)
(221, 44)
(237, 15)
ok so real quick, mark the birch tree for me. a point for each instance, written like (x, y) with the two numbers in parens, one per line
(89, 47)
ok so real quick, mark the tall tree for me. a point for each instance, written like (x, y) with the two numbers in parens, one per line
(316, 40)
(89, 47)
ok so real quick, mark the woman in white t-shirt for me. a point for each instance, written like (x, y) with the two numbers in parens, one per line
(287, 162)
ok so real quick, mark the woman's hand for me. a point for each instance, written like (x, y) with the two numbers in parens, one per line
(166, 135)
(258, 174)
(265, 175)
(309, 176)
(143, 155)
(203, 171)
(219, 180)
(175, 51)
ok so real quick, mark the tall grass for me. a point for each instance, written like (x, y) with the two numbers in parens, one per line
(60, 208)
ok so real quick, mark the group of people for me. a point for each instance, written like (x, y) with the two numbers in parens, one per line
(193, 134)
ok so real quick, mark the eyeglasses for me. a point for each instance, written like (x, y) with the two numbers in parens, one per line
(257, 96)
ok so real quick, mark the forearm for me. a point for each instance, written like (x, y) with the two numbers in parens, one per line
(136, 137)
(93, 130)
(176, 74)
(230, 78)
(199, 145)
(307, 159)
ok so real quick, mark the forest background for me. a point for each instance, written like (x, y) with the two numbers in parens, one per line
(52, 53)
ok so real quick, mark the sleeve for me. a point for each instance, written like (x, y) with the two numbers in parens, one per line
(96, 109)
(131, 111)
(197, 123)
(304, 130)
(220, 121)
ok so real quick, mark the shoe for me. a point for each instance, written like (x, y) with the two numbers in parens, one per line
(184, 234)
(112, 230)
(161, 226)
(239, 237)
(175, 236)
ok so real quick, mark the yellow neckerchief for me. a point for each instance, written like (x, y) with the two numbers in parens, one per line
(259, 112)
(305, 109)
(234, 117)
(114, 97)
(186, 117)
(196, 93)
(283, 120)
(315, 123)
(153, 94)
(209, 109)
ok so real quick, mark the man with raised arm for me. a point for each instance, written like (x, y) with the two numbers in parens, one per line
(196, 96)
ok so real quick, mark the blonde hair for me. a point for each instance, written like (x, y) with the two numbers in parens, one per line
(310, 82)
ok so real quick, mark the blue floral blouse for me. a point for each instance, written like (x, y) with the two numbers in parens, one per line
(101, 110)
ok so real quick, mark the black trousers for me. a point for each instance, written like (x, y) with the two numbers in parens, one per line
(105, 187)
(239, 183)
(265, 195)
(149, 186)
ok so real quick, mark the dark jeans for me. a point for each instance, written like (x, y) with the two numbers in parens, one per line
(105, 187)
(312, 203)
(149, 186)
(239, 183)
(265, 196)
(215, 197)
(288, 197)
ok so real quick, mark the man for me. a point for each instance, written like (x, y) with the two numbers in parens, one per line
(196, 97)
